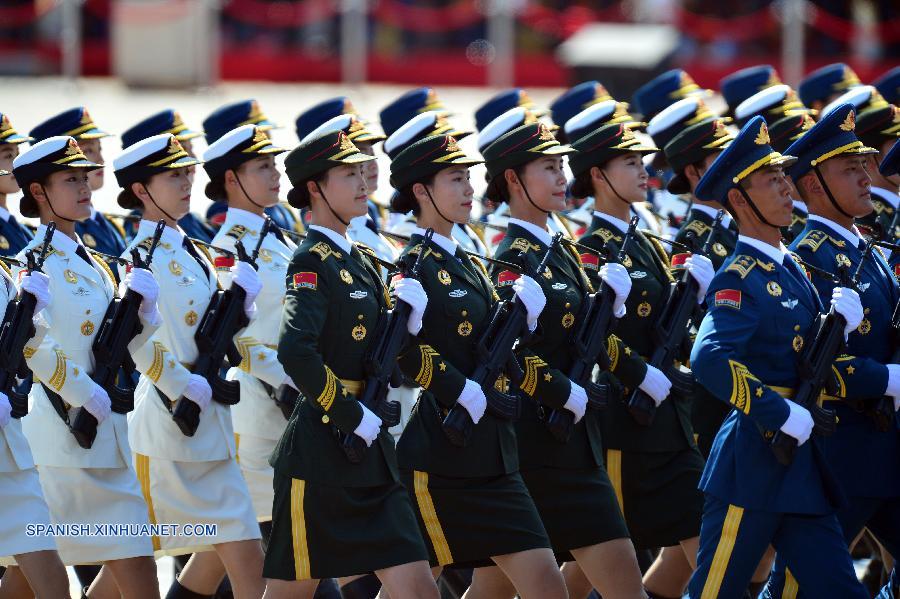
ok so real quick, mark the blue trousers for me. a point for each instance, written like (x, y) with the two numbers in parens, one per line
(880, 516)
(734, 539)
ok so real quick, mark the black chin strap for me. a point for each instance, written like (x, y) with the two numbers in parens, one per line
(828, 193)
(528, 195)
(327, 203)
(247, 195)
(436, 209)
(49, 203)
(158, 207)
(756, 211)
(608, 182)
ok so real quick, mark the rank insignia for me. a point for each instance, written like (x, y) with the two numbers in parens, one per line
(728, 297)
(87, 327)
(346, 276)
(644, 309)
(506, 278)
(464, 329)
(443, 277)
(797, 343)
(175, 268)
(306, 280)
(70, 276)
(358, 333)
(568, 320)
(190, 318)
(773, 288)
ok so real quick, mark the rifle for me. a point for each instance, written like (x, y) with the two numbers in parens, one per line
(669, 332)
(381, 364)
(495, 355)
(121, 324)
(590, 347)
(223, 318)
(16, 330)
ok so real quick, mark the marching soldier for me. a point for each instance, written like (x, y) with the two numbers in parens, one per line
(664, 90)
(567, 480)
(97, 232)
(13, 236)
(822, 86)
(335, 299)
(760, 307)
(740, 85)
(657, 465)
(95, 485)
(890, 168)
(471, 503)
(888, 85)
(186, 479)
(831, 174)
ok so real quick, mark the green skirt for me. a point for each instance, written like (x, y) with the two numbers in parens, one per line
(658, 494)
(578, 507)
(321, 531)
(466, 521)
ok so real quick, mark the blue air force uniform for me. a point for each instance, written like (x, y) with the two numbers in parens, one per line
(761, 306)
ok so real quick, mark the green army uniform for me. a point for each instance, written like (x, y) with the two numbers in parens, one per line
(471, 501)
(655, 469)
(323, 502)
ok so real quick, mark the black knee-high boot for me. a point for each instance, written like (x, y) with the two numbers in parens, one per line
(366, 587)
(177, 591)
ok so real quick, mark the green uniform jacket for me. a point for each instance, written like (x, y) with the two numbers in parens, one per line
(566, 289)
(460, 302)
(331, 310)
(648, 266)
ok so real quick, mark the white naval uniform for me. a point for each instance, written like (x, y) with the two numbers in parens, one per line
(185, 480)
(81, 486)
(21, 499)
(258, 421)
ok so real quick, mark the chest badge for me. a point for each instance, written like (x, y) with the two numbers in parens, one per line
(89, 240)
(464, 329)
(797, 343)
(458, 293)
(789, 304)
(773, 288)
(865, 327)
(637, 274)
(358, 333)
(568, 320)
(863, 287)
(80, 291)
(644, 309)
(190, 318)
(359, 294)
(719, 249)
(346, 276)
(70, 276)
(87, 327)
(443, 277)
(547, 274)
(175, 268)
(4, 243)
(842, 260)
(265, 255)
(559, 286)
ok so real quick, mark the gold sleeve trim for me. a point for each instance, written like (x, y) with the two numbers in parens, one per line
(532, 365)
(740, 386)
(426, 370)
(159, 360)
(326, 398)
(245, 347)
(612, 350)
(58, 378)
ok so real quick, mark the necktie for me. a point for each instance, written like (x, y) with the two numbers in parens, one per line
(82, 253)
(190, 249)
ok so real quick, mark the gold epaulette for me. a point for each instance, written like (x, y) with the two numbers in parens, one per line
(742, 265)
(416, 249)
(815, 239)
(237, 232)
(364, 249)
(324, 251)
(697, 226)
(523, 245)
(606, 235)
(6, 269)
(148, 241)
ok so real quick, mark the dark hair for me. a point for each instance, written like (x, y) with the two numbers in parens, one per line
(582, 185)
(128, 200)
(405, 200)
(28, 205)
(498, 189)
(215, 189)
(299, 196)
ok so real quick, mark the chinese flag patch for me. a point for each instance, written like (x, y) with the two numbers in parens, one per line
(678, 260)
(506, 277)
(224, 262)
(729, 297)
(590, 261)
(897, 271)
(306, 280)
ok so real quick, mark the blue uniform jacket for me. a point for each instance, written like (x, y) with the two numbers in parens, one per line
(758, 314)
(866, 461)
(98, 233)
(13, 236)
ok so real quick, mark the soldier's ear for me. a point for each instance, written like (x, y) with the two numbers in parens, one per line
(510, 176)
(230, 178)
(809, 185)
(37, 191)
(311, 188)
(419, 192)
(736, 198)
(692, 173)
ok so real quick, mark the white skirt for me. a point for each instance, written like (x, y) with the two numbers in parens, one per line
(22, 503)
(85, 497)
(253, 456)
(207, 501)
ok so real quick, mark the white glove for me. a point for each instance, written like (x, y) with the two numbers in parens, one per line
(577, 402)
(198, 391)
(410, 291)
(38, 285)
(656, 385)
(799, 423)
(141, 280)
(702, 270)
(893, 386)
(99, 405)
(616, 276)
(368, 427)
(245, 276)
(846, 303)
(473, 400)
(5, 410)
(532, 297)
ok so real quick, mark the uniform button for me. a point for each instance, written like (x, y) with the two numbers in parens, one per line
(796, 327)
(87, 311)
(465, 312)
(568, 304)
(325, 419)
(360, 317)
(190, 302)
(644, 293)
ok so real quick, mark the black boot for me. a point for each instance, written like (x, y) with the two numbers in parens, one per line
(454, 581)
(327, 589)
(176, 591)
(86, 574)
(265, 529)
(366, 587)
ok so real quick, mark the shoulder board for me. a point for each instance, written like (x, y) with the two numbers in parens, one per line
(364, 249)
(815, 239)
(799, 262)
(606, 235)
(40, 248)
(766, 266)
(237, 231)
(418, 248)
(523, 245)
(742, 265)
(697, 226)
(148, 241)
(324, 251)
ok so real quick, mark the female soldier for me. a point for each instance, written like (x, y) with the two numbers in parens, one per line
(241, 168)
(567, 480)
(186, 479)
(95, 485)
(335, 299)
(38, 564)
(13, 236)
(654, 469)
(471, 501)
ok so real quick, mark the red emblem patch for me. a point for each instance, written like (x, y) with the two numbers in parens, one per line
(590, 261)
(306, 280)
(506, 277)
(224, 262)
(678, 260)
(729, 297)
